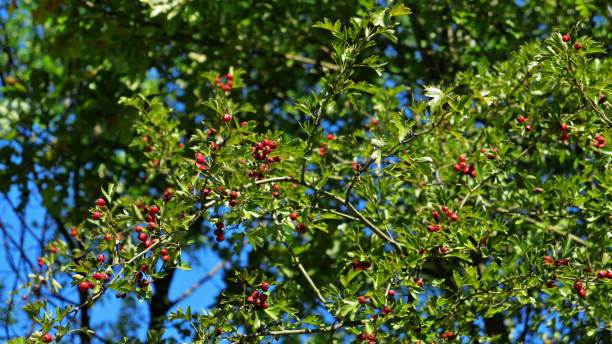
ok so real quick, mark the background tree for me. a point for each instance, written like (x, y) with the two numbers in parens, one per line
(369, 159)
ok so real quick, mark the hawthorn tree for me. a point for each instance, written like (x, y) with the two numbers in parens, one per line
(471, 206)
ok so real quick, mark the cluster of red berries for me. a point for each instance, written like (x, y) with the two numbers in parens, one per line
(233, 195)
(227, 86)
(300, 227)
(436, 215)
(556, 263)
(83, 286)
(599, 142)
(151, 224)
(322, 150)
(462, 167)
(259, 299)
(565, 136)
(276, 191)
(490, 155)
(219, 231)
(168, 193)
(605, 274)
(579, 289)
(360, 265)
(149, 147)
(40, 262)
(100, 276)
(369, 337)
(263, 148)
(567, 38)
(200, 161)
(525, 121)
(140, 277)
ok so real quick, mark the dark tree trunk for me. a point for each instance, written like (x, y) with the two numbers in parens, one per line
(160, 304)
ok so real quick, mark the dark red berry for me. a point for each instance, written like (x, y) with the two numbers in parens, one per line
(566, 37)
(153, 210)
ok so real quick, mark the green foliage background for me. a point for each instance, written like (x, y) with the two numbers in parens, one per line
(463, 71)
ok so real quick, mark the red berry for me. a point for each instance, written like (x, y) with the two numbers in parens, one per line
(419, 282)
(229, 76)
(151, 226)
(578, 46)
(293, 216)
(362, 336)
(276, 194)
(264, 305)
(153, 210)
(53, 249)
(148, 243)
(300, 227)
(443, 249)
(577, 285)
(582, 292)
(601, 274)
(445, 209)
(108, 237)
(83, 286)
(101, 258)
(144, 282)
(550, 284)
(142, 237)
(391, 293)
(331, 137)
(100, 202)
(249, 299)
(96, 215)
(165, 258)
(447, 335)
(566, 37)
(564, 127)
(454, 217)
(220, 238)
(46, 338)
(361, 300)
(265, 286)
(226, 117)
(461, 159)
(371, 336)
